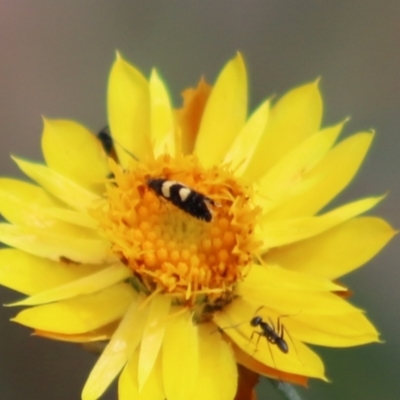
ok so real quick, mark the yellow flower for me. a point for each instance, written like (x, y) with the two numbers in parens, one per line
(199, 244)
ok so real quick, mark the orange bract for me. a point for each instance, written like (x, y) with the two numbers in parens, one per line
(189, 116)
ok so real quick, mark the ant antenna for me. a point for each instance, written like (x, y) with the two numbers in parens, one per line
(231, 326)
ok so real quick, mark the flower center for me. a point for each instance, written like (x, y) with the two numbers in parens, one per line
(155, 219)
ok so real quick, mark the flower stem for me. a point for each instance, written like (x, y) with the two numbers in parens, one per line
(287, 390)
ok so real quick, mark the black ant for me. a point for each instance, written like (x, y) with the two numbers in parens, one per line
(268, 331)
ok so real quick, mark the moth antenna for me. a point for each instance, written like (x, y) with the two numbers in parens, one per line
(108, 142)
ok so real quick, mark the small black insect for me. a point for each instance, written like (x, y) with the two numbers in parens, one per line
(106, 140)
(108, 143)
(181, 196)
(268, 331)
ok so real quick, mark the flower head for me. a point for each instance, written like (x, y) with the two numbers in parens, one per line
(194, 240)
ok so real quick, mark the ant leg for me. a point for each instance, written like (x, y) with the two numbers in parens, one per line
(273, 325)
(232, 326)
(255, 333)
(269, 348)
(258, 339)
(272, 357)
(280, 329)
(292, 343)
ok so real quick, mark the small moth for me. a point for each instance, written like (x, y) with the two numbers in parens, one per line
(181, 196)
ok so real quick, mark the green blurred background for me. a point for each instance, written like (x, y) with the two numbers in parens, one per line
(54, 60)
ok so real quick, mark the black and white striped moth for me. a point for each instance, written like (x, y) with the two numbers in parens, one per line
(181, 196)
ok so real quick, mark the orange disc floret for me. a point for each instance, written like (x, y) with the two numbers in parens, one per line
(166, 246)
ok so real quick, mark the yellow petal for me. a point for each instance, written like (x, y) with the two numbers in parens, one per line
(128, 388)
(296, 116)
(98, 335)
(117, 353)
(285, 300)
(299, 360)
(162, 122)
(247, 140)
(80, 315)
(180, 374)
(153, 336)
(279, 233)
(29, 205)
(100, 280)
(87, 249)
(30, 274)
(268, 277)
(285, 177)
(72, 217)
(58, 185)
(302, 360)
(250, 363)
(218, 377)
(329, 178)
(224, 115)
(343, 330)
(73, 151)
(336, 252)
(129, 112)
(24, 204)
